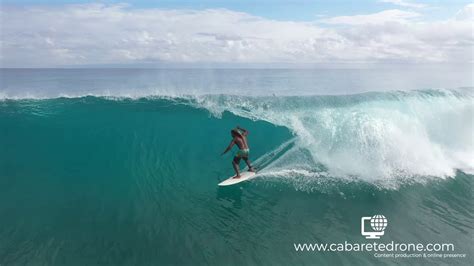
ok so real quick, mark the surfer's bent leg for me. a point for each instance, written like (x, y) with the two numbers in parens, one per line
(251, 169)
(235, 164)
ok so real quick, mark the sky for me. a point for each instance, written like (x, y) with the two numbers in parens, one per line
(76, 33)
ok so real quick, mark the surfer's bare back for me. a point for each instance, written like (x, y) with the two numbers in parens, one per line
(239, 137)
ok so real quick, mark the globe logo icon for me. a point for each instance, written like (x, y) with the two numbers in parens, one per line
(378, 222)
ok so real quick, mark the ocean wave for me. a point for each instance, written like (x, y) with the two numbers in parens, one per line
(384, 138)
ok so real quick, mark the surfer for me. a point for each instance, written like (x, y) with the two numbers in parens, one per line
(239, 137)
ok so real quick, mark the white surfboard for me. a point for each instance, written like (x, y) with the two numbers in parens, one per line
(244, 176)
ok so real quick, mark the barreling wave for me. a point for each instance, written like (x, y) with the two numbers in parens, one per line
(383, 138)
(386, 138)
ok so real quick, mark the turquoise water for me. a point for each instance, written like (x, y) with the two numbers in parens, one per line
(94, 180)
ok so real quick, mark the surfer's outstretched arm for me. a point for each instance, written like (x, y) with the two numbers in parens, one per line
(229, 147)
(245, 132)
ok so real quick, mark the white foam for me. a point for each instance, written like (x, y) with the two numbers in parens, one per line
(388, 141)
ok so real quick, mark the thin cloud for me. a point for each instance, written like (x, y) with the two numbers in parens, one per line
(466, 13)
(394, 15)
(404, 3)
(118, 34)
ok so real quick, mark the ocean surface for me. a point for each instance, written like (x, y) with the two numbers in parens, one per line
(120, 166)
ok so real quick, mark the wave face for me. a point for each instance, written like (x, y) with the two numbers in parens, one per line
(120, 181)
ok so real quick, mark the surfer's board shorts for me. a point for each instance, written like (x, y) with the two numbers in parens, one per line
(241, 154)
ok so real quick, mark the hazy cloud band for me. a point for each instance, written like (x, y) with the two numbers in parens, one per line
(115, 34)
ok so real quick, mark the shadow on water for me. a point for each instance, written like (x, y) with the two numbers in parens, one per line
(231, 194)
